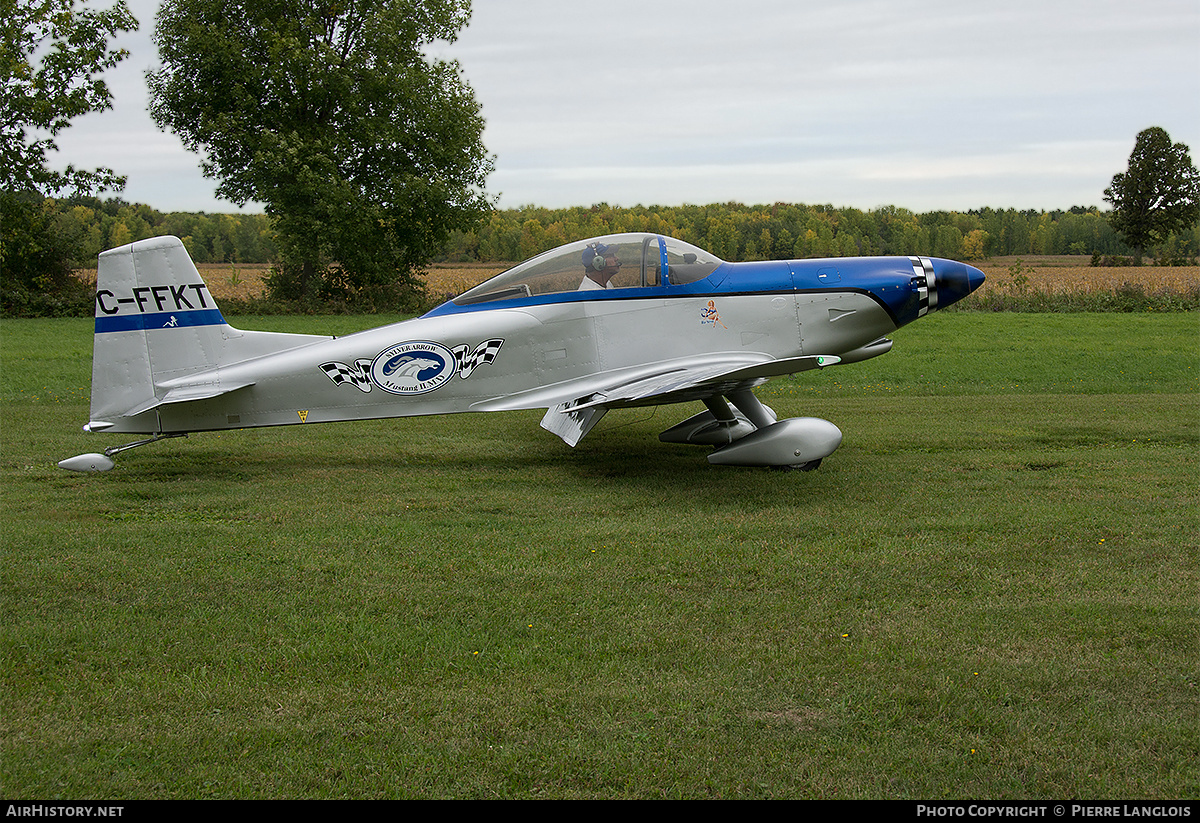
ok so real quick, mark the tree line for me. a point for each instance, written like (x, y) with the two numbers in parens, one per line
(733, 231)
(88, 226)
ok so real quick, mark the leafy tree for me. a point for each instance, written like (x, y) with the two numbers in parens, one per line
(35, 272)
(1158, 194)
(51, 57)
(975, 245)
(365, 151)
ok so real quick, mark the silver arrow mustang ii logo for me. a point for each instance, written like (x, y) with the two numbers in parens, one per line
(415, 367)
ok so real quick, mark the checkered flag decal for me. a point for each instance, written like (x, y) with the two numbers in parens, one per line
(356, 375)
(485, 352)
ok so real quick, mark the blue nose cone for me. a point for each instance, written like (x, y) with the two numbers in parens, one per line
(955, 281)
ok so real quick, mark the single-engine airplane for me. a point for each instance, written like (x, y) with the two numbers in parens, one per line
(613, 322)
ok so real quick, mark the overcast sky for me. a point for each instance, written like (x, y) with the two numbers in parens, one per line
(924, 104)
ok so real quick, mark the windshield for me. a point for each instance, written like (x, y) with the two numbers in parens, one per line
(618, 261)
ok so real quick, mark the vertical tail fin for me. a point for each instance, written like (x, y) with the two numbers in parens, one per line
(154, 320)
(157, 322)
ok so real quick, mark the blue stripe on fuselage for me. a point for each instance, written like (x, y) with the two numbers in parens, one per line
(886, 280)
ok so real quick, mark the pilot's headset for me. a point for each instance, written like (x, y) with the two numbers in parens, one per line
(593, 257)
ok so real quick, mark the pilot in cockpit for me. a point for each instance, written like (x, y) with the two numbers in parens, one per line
(601, 265)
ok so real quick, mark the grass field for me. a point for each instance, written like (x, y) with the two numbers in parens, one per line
(990, 590)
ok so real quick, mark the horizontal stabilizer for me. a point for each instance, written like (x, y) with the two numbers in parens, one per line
(187, 392)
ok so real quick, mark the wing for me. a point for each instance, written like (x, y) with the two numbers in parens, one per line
(575, 406)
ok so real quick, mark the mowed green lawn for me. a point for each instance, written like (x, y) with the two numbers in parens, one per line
(990, 590)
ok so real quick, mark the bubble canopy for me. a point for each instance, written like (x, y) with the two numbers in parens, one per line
(598, 265)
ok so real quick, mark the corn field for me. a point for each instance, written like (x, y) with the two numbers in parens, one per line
(1068, 279)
